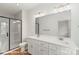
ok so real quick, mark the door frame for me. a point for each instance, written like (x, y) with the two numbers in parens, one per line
(9, 29)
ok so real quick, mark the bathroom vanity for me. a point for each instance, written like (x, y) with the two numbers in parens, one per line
(53, 35)
(49, 45)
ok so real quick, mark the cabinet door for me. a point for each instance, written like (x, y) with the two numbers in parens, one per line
(43, 48)
(35, 47)
(43, 51)
(52, 49)
(60, 50)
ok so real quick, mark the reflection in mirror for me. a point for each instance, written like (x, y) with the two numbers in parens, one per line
(63, 28)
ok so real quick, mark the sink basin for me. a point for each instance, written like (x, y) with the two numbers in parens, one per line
(64, 40)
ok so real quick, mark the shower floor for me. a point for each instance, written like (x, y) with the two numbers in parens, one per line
(18, 52)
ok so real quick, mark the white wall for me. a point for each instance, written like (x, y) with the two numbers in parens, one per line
(75, 23)
(6, 15)
(31, 23)
(25, 24)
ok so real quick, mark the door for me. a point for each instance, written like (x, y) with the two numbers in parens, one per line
(4, 35)
(15, 33)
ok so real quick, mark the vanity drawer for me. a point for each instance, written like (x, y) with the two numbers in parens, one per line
(43, 44)
(52, 46)
(43, 51)
(52, 52)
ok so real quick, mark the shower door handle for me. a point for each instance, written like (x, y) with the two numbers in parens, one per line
(7, 34)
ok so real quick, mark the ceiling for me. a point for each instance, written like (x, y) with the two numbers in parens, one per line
(12, 8)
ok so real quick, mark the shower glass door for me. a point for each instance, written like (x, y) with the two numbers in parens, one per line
(15, 33)
(4, 35)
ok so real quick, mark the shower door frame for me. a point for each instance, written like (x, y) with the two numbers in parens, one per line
(9, 29)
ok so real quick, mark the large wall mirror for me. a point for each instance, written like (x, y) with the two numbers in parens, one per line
(57, 24)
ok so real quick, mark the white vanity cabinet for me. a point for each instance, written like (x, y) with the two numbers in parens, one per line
(39, 47)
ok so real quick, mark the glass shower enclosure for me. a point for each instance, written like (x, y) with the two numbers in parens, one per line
(10, 33)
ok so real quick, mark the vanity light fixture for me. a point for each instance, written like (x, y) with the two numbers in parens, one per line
(39, 14)
(61, 9)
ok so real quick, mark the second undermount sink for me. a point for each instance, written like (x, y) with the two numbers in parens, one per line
(64, 40)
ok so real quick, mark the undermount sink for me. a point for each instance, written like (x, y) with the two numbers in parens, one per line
(63, 40)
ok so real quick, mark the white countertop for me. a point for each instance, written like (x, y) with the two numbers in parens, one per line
(67, 42)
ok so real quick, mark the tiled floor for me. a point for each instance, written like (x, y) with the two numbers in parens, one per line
(18, 52)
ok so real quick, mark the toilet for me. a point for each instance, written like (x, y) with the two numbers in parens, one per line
(23, 46)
